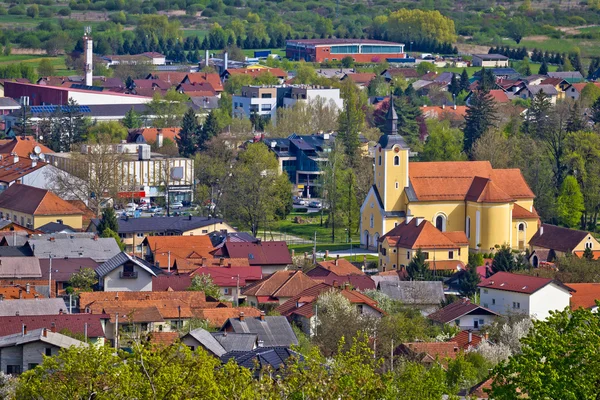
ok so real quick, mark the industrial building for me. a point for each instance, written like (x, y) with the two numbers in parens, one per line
(361, 50)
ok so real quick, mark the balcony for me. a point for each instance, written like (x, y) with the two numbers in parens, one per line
(128, 274)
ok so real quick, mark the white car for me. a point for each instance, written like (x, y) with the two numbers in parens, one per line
(177, 205)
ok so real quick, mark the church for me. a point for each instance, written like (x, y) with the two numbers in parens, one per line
(490, 206)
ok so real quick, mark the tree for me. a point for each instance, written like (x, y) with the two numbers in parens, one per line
(33, 11)
(187, 139)
(69, 127)
(517, 28)
(83, 280)
(405, 23)
(563, 349)
(570, 203)
(454, 86)
(210, 129)
(443, 143)
(168, 110)
(351, 120)
(132, 120)
(469, 281)
(90, 177)
(348, 62)
(110, 129)
(306, 118)
(45, 68)
(588, 254)
(543, 68)
(109, 233)
(481, 116)
(590, 93)
(576, 121)
(464, 80)
(108, 221)
(204, 283)
(257, 194)
(461, 374)
(305, 74)
(333, 184)
(425, 67)
(418, 268)
(505, 260)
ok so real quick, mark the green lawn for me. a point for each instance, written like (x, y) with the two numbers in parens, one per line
(308, 248)
(471, 70)
(195, 32)
(588, 47)
(311, 224)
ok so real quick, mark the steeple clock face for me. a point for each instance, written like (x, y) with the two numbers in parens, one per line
(396, 149)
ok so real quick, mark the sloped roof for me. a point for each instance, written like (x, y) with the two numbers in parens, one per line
(431, 351)
(438, 111)
(42, 335)
(277, 72)
(520, 212)
(340, 267)
(518, 283)
(483, 190)
(414, 292)
(163, 225)
(120, 259)
(360, 78)
(177, 283)
(585, 295)
(15, 291)
(163, 338)
(499, 96)
(462, 339)
(227, 276)
(74, 323)
(151, 134)
(272, 330)
(23, 146)
(458, 309)
(216, 317)
(262, 253)
(53, 227)
(212, 78)
(415, 235)
(10, 170)
(35, 201)
(64, 268)
(236, 341)
(280, 284)
(261, 357)
(451, 180)
(197, 247)
(32, 307)
(207, 341)
(359, 282)
(558, 238)
(73, 245)
(20, 267)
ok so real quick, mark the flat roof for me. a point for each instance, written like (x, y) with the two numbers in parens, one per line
(327, 42)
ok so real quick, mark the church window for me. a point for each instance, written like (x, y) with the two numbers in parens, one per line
(396, 160)
(372, 221)
(379, 160)
(521, 227)
(397, 185)
(468, 228)
(440, 223)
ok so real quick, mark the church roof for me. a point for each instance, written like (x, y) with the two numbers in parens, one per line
(418, 233)
(465, 180)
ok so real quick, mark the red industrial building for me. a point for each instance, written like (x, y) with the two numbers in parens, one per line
(361, 50)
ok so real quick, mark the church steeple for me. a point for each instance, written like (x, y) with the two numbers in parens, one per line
(391, 118)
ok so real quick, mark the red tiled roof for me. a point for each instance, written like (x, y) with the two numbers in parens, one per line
(34, 201)
(216, 317)
(422, 236)
(585, 295)
(484, 190)
(151, 134)
(280, 284)
(340, 267)
(456, 310)
(17, 292)
(227, 276)
(177, 283)
(74, 323)
(262, 253)
(518, 283)
(433, 350)
(174, 78)
(11, 171)
(196, 247)
(358, 282)
(23, 146)
(163, 338)
(438, 112)
(360, 78)
(558, 238)
(499, 96)
(462, 339)
(519, 212)
(213, 79)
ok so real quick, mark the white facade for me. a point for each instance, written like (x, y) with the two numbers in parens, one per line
(256, 105)
(309, 95)
(92, 98)
(120, 281)
(536, 305)
(473, 321)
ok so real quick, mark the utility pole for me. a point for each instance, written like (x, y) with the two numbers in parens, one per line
(392, 356)
(50, 278)
(117, 331)
(315, 249)
(169, 261)
(237, 290)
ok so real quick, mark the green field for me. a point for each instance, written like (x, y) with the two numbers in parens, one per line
(588, 47)
(57, 62)
(471, 70)
(195, 32)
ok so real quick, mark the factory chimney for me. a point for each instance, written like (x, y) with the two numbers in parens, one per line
(88, 50)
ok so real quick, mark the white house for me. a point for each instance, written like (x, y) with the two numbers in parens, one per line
(506, 293)
(124, 273)
(490, 60)
(464, 314)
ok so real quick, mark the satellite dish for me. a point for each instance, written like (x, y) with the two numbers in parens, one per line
(33, 156)
(37, 149)
(42, 157)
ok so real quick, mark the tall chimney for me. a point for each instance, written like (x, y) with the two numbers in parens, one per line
(225, 61)
(53, 327)
(159, 139)
(337, 259)
(470, 336)
(262, 315)
(88, 47)
(241, 316)
(27, 288)
(45, 332)
(206, 58)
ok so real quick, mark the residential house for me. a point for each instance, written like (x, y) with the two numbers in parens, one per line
(551, 242)
(125, 273)
(90, 326)
(300, 309)
(468, 340)
(213, 79)
(270, 256)
(429, 353)
(171, 283)
(16, 291)
(464, 314)
(231, 279)
(442, 249)
(220, 343)
(23, 146)
(164, 250)
(7, 106)
(73, 246)
(360, 79)
(133, 231)
(506, 293)
(277, 288)
(585, 295)
(154, 136)
(273, 358)
(424, 296)
(28, 171)
(574, 91)
(56, 227)
(500, 96)
(480, 391)
(20, 267)
(406, 73)
(38, 288)
(145, 312)
(489, 60)
(455, 196)
(569, 76)
(216, 317)
(271, 331)
(559, 84)
(20, 307)
(454, 114)
(25, 350)
(340, 272)
(34, 207)
(530, 91)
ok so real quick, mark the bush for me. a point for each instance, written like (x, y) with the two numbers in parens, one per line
(301, 210)
(64, 12)
(17, 10)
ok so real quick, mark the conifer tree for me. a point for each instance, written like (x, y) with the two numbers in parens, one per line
(187, 139)
(132, 120)
(464, 80)
(543, 68)
(481, 116)
(575, 122)
(108, 221)
(454, 87)
(210, 129)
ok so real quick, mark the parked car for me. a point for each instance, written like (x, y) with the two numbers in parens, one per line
(315, 204)
(176, 205)
(155, 209)
(299, 201)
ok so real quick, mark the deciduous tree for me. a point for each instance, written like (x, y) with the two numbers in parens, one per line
(204, 283)
(570, 203)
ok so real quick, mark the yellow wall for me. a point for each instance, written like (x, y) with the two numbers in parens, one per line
(495, 226)
(74, 221)
(531, 227)
(402, 256)
(453, 211)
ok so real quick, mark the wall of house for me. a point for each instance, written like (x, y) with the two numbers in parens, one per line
(403, 256)
(468, 321)
(452, 211)
(269, 269)
(550, 298)
(24, 219)
(478, 62)
(113, 283)
(589, 239)
(503, 302)
(370, 233)
(520, 239)
(33, 353)
(11, 356)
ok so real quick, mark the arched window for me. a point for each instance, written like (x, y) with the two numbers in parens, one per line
(440, 222)
(397, 185)
(521, 227)
(396, 160)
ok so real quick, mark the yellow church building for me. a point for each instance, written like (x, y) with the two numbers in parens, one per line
(491, 206)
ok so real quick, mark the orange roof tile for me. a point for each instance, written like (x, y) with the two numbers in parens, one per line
(18, 292)
(462, 339)
(434, 350)
(281, 284)
(180, 247)
(499, 96)
(483, 190)
(340, 267)
(174, 78)
(446, 265)
(163, 338)
(213, 79)
(151, 134)
(423, 235)
(11, 171)
(585, 295)
(361, 78)
(34, 201)
(520, 212)
(23, 146)
(458, 237)
(216, 317)
(438, 112)
(277, 72)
